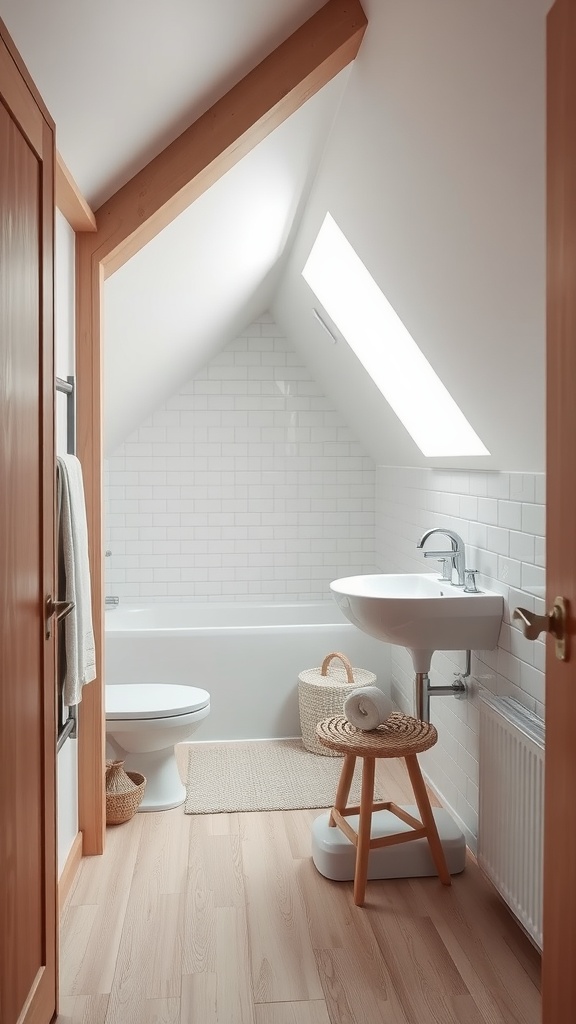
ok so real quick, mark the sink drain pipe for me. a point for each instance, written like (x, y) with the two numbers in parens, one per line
(423, 690)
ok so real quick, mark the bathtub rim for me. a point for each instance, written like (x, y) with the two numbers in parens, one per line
(116, 626)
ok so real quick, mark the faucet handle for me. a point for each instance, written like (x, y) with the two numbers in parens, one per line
(470, 581)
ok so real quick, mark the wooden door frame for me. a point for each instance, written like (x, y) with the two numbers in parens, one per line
(558, 976)
(216, 141)
(28, 111)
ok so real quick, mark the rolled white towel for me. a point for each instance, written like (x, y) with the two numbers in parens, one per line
(367, 707)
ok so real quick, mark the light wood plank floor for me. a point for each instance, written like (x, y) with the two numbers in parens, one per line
(223, 919)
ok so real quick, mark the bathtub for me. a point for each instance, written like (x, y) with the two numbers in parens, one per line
(248, 656)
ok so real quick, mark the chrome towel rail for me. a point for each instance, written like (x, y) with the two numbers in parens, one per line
(67, 727)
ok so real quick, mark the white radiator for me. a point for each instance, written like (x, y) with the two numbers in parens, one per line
(511, 818)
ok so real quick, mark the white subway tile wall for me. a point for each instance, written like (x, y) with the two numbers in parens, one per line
(501, 518)
(247, 484)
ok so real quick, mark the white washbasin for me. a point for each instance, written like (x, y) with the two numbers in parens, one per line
(421, 612)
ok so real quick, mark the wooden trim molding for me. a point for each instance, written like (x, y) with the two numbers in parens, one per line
(265, 97)
(69, 871)
(91, 723)
(70, 200)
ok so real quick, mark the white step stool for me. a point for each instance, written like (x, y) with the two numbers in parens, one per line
(334, 855)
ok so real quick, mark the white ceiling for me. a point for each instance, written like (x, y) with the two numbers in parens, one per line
(123, 78)
(209, 273)
(429, 153)
(435, 172)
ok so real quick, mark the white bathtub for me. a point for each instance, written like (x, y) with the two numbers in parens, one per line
(248, 656)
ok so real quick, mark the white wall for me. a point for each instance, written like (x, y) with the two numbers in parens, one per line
(67, 765)
(246, 483)
(501, 518)
(435, 171)
(174, 305)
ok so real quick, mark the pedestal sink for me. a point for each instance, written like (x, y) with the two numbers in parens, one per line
(425, 614)
(421, 612)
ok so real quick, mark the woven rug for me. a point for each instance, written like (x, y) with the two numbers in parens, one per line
(275, 775)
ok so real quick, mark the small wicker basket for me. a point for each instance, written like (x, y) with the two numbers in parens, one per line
(322, 696)
(124, 792)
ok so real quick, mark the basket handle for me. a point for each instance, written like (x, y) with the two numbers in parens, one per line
(345, 662)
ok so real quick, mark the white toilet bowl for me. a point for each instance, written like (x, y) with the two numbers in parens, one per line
(143, 722)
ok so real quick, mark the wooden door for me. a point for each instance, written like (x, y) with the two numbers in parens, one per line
(559, 955)
(27, 712)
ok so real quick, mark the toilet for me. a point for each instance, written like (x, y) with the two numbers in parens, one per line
(143, 723)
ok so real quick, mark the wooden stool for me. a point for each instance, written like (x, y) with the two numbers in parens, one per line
(399, 736)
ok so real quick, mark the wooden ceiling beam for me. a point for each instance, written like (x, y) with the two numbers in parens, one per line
(234, 125)
(70, 200)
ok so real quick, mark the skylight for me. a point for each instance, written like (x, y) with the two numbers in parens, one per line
(385, 348)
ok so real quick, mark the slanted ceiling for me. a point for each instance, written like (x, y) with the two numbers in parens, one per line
(433, 167)
(209, 273)
(435, 171)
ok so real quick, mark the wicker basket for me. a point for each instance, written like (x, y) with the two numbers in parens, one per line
(322, 696)
(124, 792)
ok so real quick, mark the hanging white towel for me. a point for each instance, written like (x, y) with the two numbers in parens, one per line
(367, 707)
(73, 541)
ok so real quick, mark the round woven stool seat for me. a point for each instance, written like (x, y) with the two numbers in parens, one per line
(399, 736)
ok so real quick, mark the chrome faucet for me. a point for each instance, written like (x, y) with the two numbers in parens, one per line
(455, 556)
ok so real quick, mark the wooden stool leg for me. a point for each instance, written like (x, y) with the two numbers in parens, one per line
(344, 784)
(364, 830)
(427, 817)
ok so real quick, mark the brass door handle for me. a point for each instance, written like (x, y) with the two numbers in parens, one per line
(60, 609)
(553, 622)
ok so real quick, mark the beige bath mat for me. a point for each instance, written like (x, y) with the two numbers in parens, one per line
(275, 775)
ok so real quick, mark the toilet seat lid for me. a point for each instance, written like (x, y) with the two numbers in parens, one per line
(153, 700)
